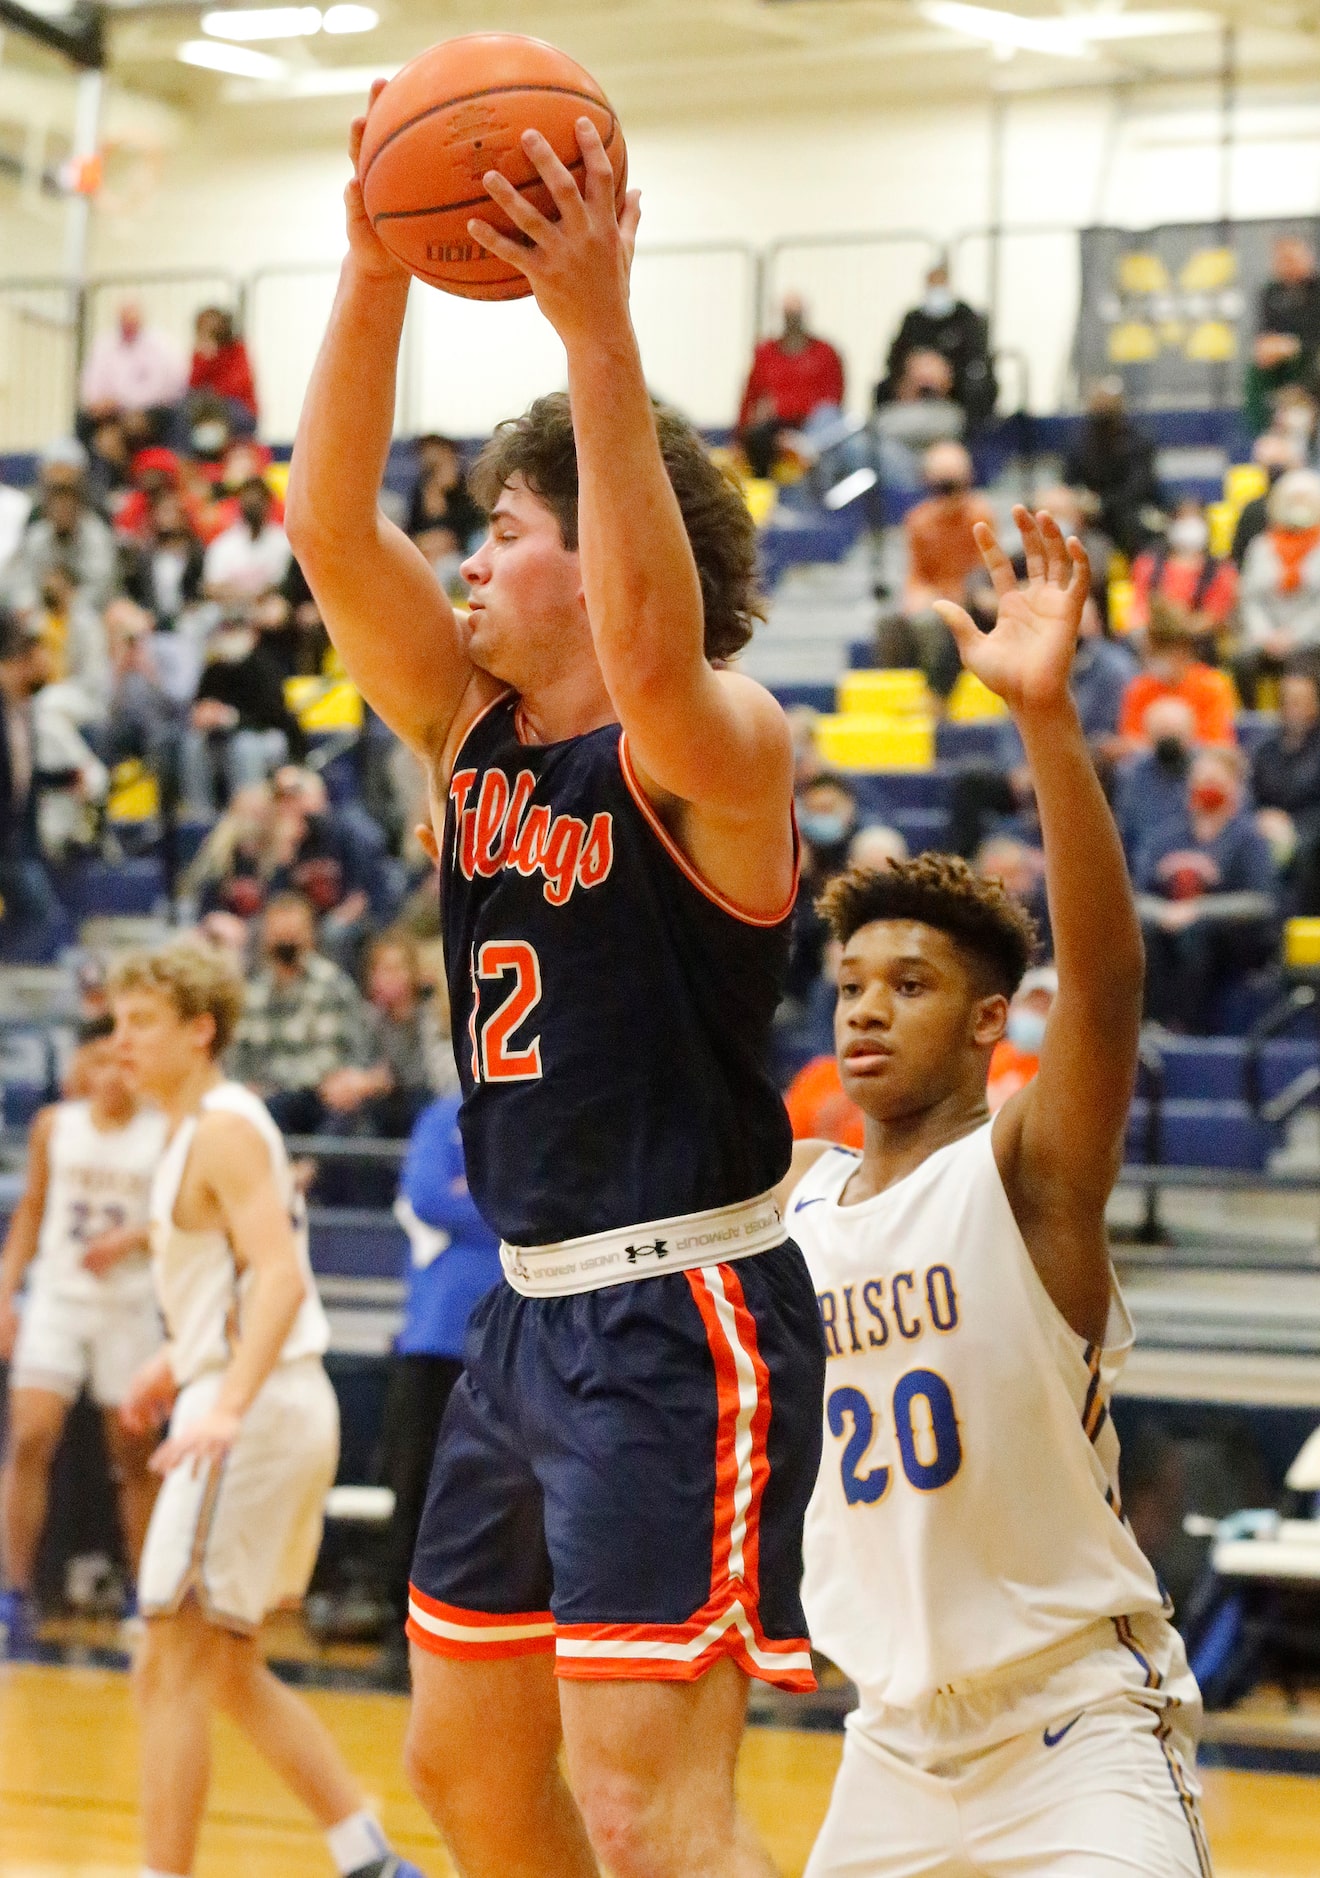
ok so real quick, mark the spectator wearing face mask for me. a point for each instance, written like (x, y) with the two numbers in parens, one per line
(32, 921)
(253, 553)
(64, 530)
(1276, 454)
(1285, 784)
(827, 820)
(133, 372)
(1151, 782)
(1173, 670)
(1208, 895)
(794, 377)
(1280, 610)
(1114, 462)
(944, 324)
(1286, 350)
(163, 570)
(222, 371)
(1016, 1057)
(1181, 569)
(240, 728)
(920, 413)
(442, 517)
(942, 557)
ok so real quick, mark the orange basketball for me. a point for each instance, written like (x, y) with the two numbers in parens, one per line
(450, 115)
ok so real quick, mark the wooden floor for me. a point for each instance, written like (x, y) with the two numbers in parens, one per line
(68, 1767)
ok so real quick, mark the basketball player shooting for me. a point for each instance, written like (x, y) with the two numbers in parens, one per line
(1025, 1706)
(621, 1476)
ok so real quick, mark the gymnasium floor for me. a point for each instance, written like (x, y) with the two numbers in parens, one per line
(68, 1762)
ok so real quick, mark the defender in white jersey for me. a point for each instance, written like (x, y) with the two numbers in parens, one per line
(254, 1433)
(89, 1320)
(1025, 1708)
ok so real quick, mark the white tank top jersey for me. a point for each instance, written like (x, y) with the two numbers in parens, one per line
(198, 1284)
(967, 1515)
(98, 1179)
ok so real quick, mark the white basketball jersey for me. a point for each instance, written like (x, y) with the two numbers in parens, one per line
(967, 1514)
(98, 1179)
(198, 1283)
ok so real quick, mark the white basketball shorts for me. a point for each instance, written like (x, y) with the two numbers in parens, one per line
(242, 1538)
(66, 1345)
(1105, 1789)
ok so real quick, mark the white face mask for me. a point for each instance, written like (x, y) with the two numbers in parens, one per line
(1190, 534)
(939, 302)
(1296, 515)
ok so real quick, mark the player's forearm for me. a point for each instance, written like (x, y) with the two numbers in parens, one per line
(1097, 935)
(20, 1248)
(640, 580)
(347, 417)
(269, 1311)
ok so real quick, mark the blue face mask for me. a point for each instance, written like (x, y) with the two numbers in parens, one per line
(1026, 1031)
(823, 830)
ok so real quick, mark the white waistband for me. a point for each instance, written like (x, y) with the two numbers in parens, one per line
(647, 1251)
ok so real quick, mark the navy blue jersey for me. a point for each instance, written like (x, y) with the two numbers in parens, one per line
(611, 1014)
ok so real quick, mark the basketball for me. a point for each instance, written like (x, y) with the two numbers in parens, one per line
(453, 113)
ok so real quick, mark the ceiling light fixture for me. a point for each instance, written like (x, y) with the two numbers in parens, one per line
(237, 61)
(346, 18)
(1071, 36)
(262, 22)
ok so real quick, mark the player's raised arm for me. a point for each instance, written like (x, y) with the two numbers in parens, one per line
(24, 1227)
(386, 612)
(1060, 1142)
(712, 739)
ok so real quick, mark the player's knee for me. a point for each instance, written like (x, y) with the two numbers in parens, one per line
(627, 1829)
(168, 1660)
(32, 1446)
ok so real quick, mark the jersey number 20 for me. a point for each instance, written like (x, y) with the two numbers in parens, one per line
(493, 1059)
(925, 1426)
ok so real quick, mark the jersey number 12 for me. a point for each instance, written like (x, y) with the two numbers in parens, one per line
(494, 1059)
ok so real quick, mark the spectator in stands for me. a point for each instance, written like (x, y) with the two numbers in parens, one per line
(1019, 866)
(942, 556)
(31, 919)
(944, 324)
(1275, 453)
(1181, 568)
(827, 820)
(74, 635)
(1280, 610)
(1208, 895)
(134, 373)
(156, 472)
(240, 727)
(148, 713)
(253, 553)
(442, 517)
(232, 870)
(1151, 783)
(15, 509)
(877, 846)
(1173, 670)
(163, 570)
(109, 472)
(1016, 1057)
(1287, 345)
(1114, 463)
(64, 529)
(303, 1020)
(387, 1096)
(221, 372)
(920, 413)
(794, 378)
(1285, 784)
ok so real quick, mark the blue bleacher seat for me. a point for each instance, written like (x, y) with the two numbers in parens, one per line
(818, 697)
(885, 793)
(968, 743)
(1212, 1068)
(95, 889)
(1253, 727)
(1203, 1134)
(920, 828)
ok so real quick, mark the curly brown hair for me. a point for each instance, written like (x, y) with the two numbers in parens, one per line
(197, 979)
(539, 446)
(939, 890)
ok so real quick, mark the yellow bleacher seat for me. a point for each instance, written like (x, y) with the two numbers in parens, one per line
(971, 702)
(872, 741)
(895, 692)
(1301, 942)
(1243, 482)
(1222, 517)
(134, 793)
(321, 704)
(760, 495)
(1120, 605)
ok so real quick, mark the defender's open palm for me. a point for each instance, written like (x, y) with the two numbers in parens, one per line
(579, 264)
(1028, 657)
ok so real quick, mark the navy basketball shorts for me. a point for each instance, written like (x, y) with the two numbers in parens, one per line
(622, 1476)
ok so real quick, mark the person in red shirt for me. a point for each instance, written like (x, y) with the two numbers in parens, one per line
(221, 370)
(1172, 670)
(792, 378)
(1182, 569)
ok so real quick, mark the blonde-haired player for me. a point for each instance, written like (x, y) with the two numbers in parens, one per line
(78, 1237)
(254, 1434)
(1025, 1706)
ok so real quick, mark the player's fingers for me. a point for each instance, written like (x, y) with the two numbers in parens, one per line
(1081, 567)
(558, 179)
(959, 622)
(597, 170)
(1058, 568)
(427, 842)
(503, 247)
(523, 214)
(997, 563)
(1033, 549)
(631, 216)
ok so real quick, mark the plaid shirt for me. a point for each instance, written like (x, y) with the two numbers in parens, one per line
(293, 1035)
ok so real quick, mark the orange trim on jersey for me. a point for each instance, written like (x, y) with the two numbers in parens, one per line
(742, 1466)
(448, 1630)
(480, 718)
(685, 866)
(683, 1652)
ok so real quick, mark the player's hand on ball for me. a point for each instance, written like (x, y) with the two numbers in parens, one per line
(202, 1442)
(368, 250)
(1027, 659)
(578, 266)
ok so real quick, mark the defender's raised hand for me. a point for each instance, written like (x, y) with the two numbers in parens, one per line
(578, 266)
(1027, 658)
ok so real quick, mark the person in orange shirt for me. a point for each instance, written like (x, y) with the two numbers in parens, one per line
(1016, 1056)
(1172, 670)
(1181, 568)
